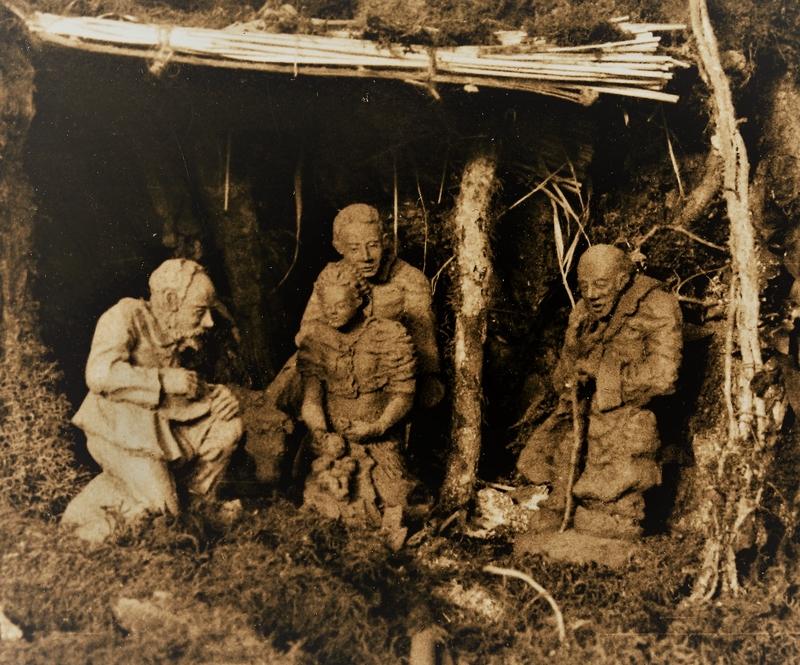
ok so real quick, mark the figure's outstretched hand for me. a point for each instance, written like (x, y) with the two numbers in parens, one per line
(179, 381)
(360, 430)
(223, 403)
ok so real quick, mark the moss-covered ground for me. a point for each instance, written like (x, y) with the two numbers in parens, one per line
(283, 586)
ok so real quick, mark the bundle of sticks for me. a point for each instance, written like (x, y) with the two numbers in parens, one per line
(630, 67)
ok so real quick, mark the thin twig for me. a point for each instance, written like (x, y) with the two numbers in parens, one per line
(565, 204)
(559, 242)
(678, 229)
(499, 486)
(456, 515)
(435, 278)
(227, 173)
(577, 182)
(444, 174)
(575, 453)
(395, 202)
(700, 273)
(425, 222)
(672, 155)
(538, 188)
(698, 301)
(511, 572)
(298, 212)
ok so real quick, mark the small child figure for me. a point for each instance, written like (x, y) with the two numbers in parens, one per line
(330, 477)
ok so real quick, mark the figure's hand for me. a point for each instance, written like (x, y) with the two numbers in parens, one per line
(179, 381)
(329, 444)
(585, 370)
(577, 381)
(360, 430)
(430, 392)
(587, 367)
(223, 403)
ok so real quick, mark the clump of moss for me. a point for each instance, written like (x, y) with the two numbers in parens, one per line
(574, 22)
(285, 577)
(37, 471)
(433, 22)
(61, 594)
(301, 577)
(444, 22)
(327, 9)
(196, 13)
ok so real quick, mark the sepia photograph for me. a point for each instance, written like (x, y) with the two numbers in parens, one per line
(427, 332)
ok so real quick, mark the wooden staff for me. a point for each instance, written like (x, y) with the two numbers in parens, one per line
(577, 445)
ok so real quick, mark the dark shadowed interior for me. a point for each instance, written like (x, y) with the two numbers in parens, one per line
(124, 162)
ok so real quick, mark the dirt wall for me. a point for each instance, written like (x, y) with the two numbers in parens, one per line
(36, 470)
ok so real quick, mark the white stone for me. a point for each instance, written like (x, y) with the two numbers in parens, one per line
(8, 631)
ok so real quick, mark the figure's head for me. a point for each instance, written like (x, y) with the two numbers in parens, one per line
(341, 292)
(358, 236)
(791, 252)
(793, 304)
(182, 295)
(603, 273)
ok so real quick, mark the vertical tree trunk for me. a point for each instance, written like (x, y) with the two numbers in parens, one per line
(236, 234)
(735, 470)
(471, 229)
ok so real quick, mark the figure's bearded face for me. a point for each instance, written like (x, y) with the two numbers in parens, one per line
(191, 319)
(362, 246)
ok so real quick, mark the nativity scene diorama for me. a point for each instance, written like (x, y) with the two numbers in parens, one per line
(319, 320)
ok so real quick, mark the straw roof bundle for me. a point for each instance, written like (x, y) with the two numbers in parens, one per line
(630, 67)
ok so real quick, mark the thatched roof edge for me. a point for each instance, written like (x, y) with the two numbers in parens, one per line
(631, 67)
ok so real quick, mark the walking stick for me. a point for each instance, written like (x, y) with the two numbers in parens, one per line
(577, 444)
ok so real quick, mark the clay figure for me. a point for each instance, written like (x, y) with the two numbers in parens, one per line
(783, 367)
(395, 290)
(152, 425)
(622, 348)
(359, 379)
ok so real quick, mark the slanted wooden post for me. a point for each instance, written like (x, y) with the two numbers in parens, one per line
(736, 469)
(471, 230)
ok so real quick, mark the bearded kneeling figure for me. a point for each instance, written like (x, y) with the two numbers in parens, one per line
(152, 426)
(359, 380)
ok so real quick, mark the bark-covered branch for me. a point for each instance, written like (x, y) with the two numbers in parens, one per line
(735, 469)
(471, 225)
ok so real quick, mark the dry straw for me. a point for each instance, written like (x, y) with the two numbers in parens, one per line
(579, 73)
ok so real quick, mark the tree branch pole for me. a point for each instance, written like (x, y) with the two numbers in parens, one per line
(736, 470)
(471, 231)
